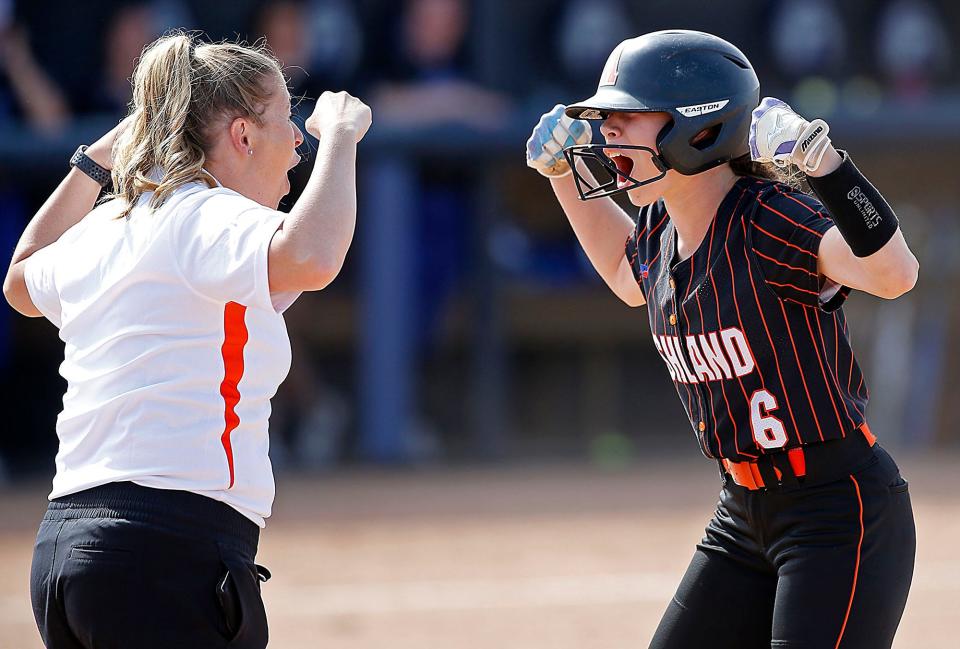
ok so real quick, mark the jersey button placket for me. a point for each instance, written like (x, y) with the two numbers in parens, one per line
(674, 322)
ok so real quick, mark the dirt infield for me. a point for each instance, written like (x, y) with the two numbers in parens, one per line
(525, 557)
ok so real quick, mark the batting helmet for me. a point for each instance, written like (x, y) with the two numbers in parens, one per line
(703, 82)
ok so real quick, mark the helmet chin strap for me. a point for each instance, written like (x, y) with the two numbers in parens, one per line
(597, 152)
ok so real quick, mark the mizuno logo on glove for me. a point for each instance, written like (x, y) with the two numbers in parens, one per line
(810, 138)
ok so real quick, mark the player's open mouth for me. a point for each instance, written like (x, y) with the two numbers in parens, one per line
(624, 166)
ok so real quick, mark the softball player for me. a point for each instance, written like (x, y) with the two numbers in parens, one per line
(169, 298)
(812, 543)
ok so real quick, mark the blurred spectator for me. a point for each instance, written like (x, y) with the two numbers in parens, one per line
(26, 92)
(913, 48)
(587, 34)
(807, 37)
(319, 43)
(809, 43)
(426, 80)
(130, 28)
(28, 96)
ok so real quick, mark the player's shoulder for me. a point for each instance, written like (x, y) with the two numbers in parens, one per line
(777, 199)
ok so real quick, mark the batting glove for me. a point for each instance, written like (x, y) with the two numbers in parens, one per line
(779, 135)
(552, 134)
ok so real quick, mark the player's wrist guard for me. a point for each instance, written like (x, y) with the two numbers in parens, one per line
(863, 217)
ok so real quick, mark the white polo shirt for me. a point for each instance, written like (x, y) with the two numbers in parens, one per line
(174, 346)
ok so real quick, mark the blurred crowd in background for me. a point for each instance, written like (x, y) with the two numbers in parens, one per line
(467, 323)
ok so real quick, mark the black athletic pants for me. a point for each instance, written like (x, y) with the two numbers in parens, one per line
(121, 566)
(824, 566)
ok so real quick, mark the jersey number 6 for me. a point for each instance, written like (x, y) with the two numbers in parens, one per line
(767, 429)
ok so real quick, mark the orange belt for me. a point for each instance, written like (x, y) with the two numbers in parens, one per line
(747, 474)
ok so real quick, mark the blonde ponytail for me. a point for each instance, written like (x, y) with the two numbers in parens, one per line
(181, 89)
(791, 176)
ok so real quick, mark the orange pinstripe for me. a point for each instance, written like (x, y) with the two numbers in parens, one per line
(803, 379)
(788, 219)
(773, 348)
(823, 371)
(780, 263)
(784, 241)
(736, 305)
(795, 288)
(716, 301)
(856, 567)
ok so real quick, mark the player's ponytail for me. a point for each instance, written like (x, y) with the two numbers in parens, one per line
(745, 166)
(182, 89)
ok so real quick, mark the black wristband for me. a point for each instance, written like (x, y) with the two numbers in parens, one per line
(89, 166)
(863, 217)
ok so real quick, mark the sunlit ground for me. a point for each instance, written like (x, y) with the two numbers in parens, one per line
(522, 557)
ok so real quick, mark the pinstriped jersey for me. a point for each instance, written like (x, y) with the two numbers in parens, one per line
(755, 342)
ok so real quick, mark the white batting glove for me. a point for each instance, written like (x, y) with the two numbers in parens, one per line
(552, 134)
(779, 135)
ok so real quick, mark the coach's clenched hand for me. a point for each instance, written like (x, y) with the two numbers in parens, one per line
(338, 111)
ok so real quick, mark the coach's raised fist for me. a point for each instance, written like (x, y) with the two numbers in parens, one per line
(552, 134)
(336, 111)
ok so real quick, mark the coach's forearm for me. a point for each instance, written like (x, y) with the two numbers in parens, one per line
(600, 225)
(70, 202)
(317, 233)
(73, 198)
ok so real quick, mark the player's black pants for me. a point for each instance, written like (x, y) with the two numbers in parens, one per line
(122, 566)
(815, 567)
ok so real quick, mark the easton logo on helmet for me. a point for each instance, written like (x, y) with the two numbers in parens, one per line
(702, 109)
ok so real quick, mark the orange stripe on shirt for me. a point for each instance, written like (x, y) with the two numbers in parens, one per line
(803, 380)
(736, 304)
(769, 258)
(823, 370)
(773, 348)
(235, 338)
(784, 241)
(788, 219)
(795, 288)
(797, 201)
(716, 302)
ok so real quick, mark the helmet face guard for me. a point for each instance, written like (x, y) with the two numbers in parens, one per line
(597, 152)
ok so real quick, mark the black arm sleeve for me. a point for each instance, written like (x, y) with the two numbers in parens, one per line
(863, 217)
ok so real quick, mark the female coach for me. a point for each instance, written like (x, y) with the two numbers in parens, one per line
(812, 543)
(168, 297)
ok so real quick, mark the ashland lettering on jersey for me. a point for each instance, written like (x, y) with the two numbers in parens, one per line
(760, 357)
(715, 356)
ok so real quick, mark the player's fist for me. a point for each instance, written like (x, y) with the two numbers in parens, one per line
(339, 110)
(552, 134)
(779, 135)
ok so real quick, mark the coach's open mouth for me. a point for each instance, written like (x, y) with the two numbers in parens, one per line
(624, 166)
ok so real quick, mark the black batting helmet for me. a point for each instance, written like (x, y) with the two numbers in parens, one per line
(703, 83)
